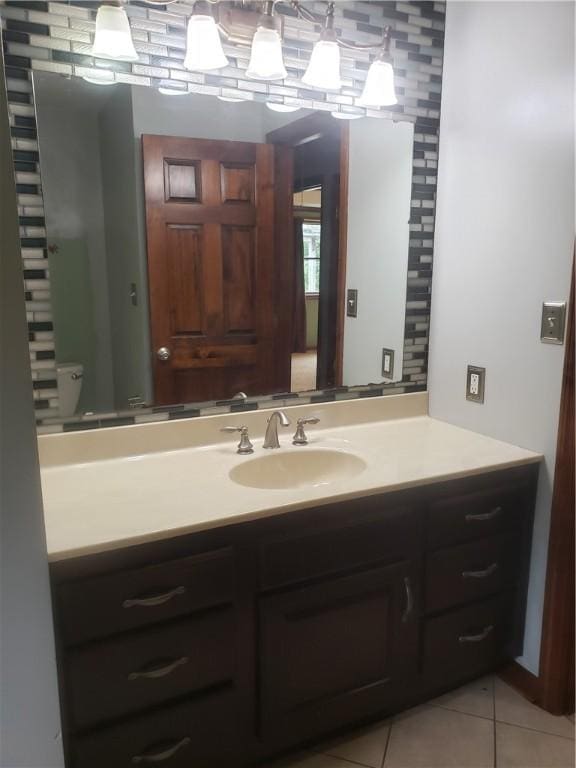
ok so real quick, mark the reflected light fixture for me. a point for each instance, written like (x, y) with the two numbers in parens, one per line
(165, 91)
(324, 67)
(281, 107)
(345, 115)
(112, 37)
(231, 99)
(204, 50)
(379, 88)
(105, 77)
(266, 62)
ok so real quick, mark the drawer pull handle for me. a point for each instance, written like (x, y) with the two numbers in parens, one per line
(409, 599)
(480, 574)
(157, 671)
(485, 515)
(153, 600)
(476, 638)
(166, 754)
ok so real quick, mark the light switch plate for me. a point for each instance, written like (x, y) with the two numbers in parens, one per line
(553, 322)
(387, 363)
(352, 302)
(475, 380)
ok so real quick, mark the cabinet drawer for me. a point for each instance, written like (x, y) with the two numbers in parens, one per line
(470, 571)
(473, 515)
(200, 733)
(118, 677)
(129, 599)
(468, 641)
(326, 550)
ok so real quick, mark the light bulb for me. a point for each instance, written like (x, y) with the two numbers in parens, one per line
(324, 67)
(204, 50)
(379, 86)
(281, 107)
(112, 38)
(266, 61)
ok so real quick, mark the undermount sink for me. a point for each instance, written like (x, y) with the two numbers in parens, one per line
(302, 468)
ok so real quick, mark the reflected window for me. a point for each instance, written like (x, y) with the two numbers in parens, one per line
(311, 237)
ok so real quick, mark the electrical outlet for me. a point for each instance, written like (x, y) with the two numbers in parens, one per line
(387, 363)
(475, 381)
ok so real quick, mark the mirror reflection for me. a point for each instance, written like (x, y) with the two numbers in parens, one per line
(201, 250)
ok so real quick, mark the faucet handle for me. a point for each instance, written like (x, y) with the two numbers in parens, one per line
(300, 437)
(244, 446)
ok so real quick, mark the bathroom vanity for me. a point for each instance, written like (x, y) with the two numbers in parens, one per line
(245, 633)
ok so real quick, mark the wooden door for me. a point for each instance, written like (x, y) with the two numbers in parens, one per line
(336, 650)
(214, 297)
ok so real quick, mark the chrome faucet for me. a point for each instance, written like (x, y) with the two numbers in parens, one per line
(271, 436)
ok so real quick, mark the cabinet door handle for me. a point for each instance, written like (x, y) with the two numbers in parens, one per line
(492, 568)
(409, 599)
(156, 671)
(153, 600)
(166, 754)
(484, 515)
(476, 638)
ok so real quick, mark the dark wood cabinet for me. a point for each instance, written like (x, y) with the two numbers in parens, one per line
(328, 647)
(220, 648)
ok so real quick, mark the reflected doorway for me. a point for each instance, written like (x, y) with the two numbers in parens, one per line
(307, 246)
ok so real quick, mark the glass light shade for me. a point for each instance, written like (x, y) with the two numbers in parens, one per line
(231, 99)
(105, 77)
(281, 107)
(379, 86)
(113, 39)
(266, 61)
(345, 116)
(324, 67)
(203, 45)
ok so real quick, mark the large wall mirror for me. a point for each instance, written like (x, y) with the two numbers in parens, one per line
(202, 249)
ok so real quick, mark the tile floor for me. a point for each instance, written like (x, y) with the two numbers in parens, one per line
(483, 725)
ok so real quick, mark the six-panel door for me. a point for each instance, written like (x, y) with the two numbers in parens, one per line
(211, 268)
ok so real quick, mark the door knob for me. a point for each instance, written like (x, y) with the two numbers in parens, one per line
(163, 353)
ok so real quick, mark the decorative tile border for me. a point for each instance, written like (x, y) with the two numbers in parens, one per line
(41, 35)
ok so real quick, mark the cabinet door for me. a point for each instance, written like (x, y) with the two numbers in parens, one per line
(336, 651)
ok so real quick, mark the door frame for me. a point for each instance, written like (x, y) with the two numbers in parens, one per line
(553, 688)
(292, 135)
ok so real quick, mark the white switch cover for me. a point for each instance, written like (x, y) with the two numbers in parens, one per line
(475, 379)
(387, 363)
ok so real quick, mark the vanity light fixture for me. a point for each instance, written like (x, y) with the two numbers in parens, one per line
(112, 37)
(204, 50)
(231, 99)
(281, 107)
(379, 88)
(323, 70)
(266, 62)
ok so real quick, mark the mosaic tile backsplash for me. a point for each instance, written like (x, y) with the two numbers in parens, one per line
(57, 37)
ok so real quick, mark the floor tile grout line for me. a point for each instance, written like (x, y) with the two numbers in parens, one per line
(343, 759)
(534, 730)
(387, 743)
(460, 711)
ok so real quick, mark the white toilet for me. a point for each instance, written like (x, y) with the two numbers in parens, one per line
(69, 376)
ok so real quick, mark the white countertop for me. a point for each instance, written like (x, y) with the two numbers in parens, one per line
(106, 504)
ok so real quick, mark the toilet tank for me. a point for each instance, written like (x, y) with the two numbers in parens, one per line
(70, 377)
